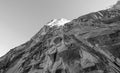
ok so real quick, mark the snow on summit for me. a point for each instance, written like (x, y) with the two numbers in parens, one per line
(58, 22)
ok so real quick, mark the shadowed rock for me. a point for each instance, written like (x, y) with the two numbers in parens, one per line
(87, 44)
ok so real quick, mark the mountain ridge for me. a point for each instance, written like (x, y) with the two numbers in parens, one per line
(87, 44)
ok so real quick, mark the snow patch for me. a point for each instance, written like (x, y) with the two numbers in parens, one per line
(58, 22)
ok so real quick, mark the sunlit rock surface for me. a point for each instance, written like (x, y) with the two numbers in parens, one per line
(88, 44)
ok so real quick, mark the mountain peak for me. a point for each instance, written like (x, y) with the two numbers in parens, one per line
(87, 44)
(58, 22)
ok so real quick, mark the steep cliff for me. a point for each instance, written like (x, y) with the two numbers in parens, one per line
(87, 44)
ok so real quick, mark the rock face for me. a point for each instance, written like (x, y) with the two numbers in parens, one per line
(88, 44)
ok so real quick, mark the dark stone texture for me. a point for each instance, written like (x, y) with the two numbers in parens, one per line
(87, 44)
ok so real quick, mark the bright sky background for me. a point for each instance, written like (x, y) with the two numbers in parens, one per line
(21, 19)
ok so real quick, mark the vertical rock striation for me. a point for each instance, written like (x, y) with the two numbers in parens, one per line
(87, 44)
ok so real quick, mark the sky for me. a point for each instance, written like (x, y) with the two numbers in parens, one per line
(22, 19)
